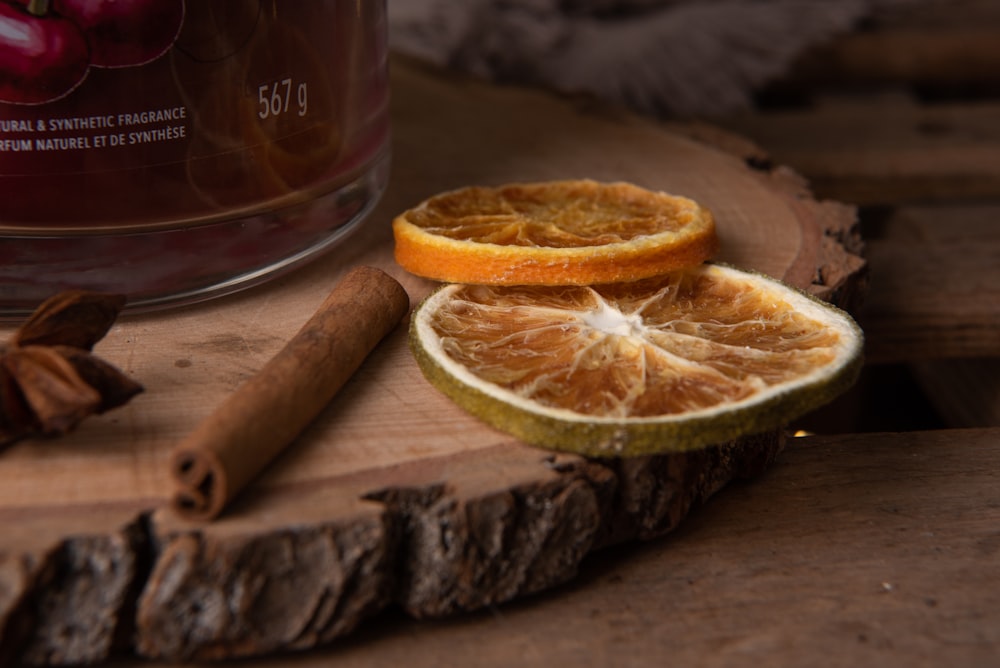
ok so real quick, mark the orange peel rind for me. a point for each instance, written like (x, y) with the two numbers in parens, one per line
(571, 232)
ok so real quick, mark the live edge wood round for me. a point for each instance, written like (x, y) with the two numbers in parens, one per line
(393, 496)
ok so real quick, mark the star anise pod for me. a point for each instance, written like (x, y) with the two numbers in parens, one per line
(49, 378)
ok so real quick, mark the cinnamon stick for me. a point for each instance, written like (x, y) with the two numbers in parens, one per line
(254, 424)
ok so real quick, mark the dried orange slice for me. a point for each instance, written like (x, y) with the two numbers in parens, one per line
(576, 232)
(690, 359)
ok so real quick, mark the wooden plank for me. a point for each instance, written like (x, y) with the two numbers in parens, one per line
(939, 47)
(922, 57)
(941, 224)
(920, 307)
(885, 150)
(935, 284)
(965, 392)
(855, 550)
(393, 495)
(940, 15)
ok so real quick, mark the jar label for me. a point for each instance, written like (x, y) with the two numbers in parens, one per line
(152, 112)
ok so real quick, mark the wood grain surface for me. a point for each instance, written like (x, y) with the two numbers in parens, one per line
(393, 497)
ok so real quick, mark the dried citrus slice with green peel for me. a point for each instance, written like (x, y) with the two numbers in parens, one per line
(575, 232)
(690, 359)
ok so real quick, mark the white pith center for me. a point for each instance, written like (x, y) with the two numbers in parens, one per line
(610, 320)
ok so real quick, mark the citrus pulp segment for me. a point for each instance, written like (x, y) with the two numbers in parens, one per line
(691, 359)
(575, 232)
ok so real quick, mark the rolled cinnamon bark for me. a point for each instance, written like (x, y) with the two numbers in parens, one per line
(254, 424)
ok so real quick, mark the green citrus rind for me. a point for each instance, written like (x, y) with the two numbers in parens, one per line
(597, 436)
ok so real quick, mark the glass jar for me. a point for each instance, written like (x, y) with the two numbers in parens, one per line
(175, 150)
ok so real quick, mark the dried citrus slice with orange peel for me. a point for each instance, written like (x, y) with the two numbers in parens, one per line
(571, 232)
(697, 357)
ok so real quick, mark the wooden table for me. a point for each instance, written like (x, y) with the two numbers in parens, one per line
(871, 549)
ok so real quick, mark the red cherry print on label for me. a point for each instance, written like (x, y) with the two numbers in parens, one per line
(123, 33)
(42, 56)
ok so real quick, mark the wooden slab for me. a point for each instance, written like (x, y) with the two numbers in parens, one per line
(393, 495)
(856, 550)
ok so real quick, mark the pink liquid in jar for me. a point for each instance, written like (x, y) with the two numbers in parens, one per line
(175, 150)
